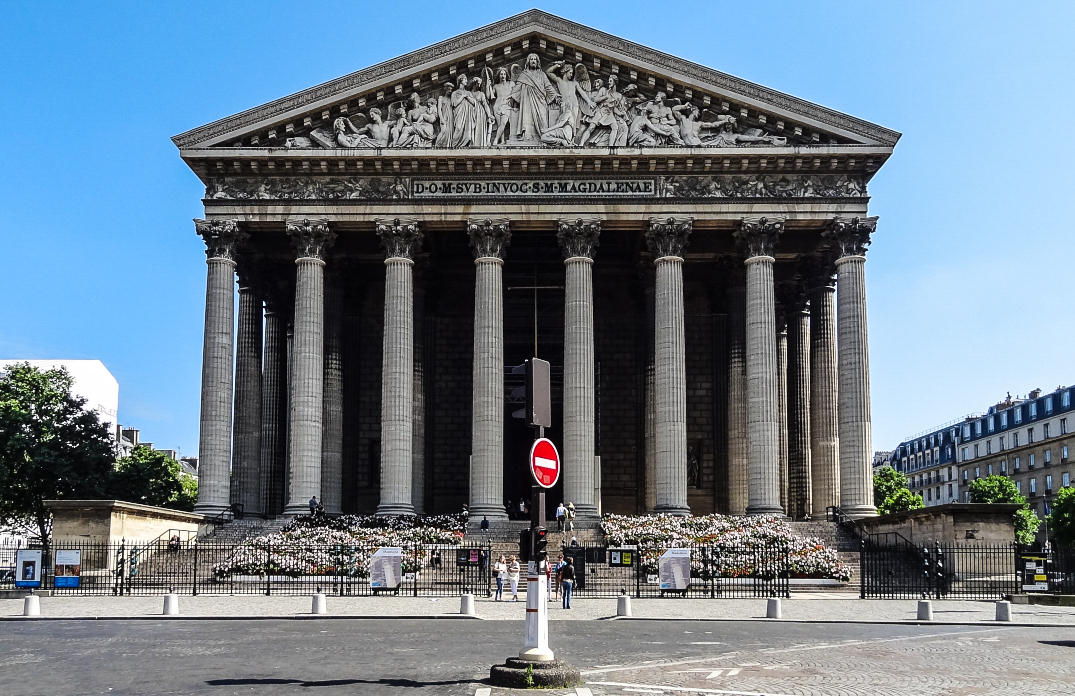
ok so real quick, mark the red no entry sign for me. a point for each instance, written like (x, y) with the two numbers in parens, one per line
(545, 463)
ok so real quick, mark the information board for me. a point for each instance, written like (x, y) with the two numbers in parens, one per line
(28, 568)
(621, 558)
(68, 568)
(1033, 568)
(675, 569)
(386, 568)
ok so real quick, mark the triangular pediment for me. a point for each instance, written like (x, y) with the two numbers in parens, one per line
(415, 102)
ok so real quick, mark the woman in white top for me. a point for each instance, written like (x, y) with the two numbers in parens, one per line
(500, 569)
(513, 576)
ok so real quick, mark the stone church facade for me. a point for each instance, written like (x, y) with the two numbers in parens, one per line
(686, 248)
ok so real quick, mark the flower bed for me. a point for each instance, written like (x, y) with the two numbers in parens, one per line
(741, 546)
(341, 545)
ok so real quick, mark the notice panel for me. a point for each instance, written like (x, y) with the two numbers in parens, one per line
(541, 187)
(386, 572)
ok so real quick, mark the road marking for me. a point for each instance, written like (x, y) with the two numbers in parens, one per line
(582, 691)
(642, 691)
(705, 642)
(628, 686)
(483, 691)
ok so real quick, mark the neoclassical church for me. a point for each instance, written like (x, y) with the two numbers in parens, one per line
(686, 248)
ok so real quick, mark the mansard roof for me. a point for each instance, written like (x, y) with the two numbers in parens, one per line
(290, 121)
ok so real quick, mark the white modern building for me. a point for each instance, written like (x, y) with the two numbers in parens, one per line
(92, 382)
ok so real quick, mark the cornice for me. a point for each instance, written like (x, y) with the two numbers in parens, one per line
(556, 27)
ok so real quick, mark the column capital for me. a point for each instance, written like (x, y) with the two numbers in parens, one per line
(817, 271)
(668, 236)
(758, 236)
(850, 236)
(790, 299)
(399, 238)
(579, 238)
(222, 237)
(310, 238)
(489, 238)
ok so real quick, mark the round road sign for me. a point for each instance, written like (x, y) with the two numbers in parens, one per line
(545, 463)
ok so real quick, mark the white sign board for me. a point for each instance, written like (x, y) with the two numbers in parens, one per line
(386, 568)
(28, 568)
(674, 568)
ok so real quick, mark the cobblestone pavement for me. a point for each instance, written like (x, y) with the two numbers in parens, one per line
(801, 607)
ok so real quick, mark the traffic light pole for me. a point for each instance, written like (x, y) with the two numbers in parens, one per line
(536, 645)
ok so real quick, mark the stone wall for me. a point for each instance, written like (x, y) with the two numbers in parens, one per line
(110, 521)
(959, 523)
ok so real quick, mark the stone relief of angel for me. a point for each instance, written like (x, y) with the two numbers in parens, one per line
(372, 134)
(498, 93)
(610, 115)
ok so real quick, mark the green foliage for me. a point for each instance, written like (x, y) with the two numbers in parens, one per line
(901, 501)
(890, 492)
(1001, 489)
(50, 446)
(995, 489)
(153, 478)
(1062, 518)
(530, 675)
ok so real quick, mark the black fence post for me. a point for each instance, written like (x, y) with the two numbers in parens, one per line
(862, 569)
(268, 568)
(417, 567)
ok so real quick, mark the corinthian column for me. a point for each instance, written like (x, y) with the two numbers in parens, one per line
(738, 487)
(824, 434)
(489, 240)
(800, 496)
(311, 239)
(400, 241)
(851, 236)
(667, 238)
(578, 242)
(782, 403)
(332, 402)
(214, 442)
(758, 236)
(246, 458)
(273, 406)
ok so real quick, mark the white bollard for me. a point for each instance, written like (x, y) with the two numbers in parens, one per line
(319, 605)
(31, 606)
(1004, 611)
(171, 604)
(466, 605)
(623, 605)
(773, 608)
(925, 610)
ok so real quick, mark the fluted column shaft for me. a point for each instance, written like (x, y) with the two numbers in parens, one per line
(307, 365)
(214, 442)
(418, 439)
(759, 237)
(488, 240)
(800, 494)
(856, 455)
(578, 240)
(650, 434)
(273, 412)
(782, 410)
(332, 405)
(738, 486)
(246, 457)
(824, 435)
(667, 239)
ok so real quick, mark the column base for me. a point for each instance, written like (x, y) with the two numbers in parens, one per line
(296, 510)
(493, 512)
(212, 510)
(672, 510)
(386, 509)
(857, 511)
(587, 512)
(765, 510)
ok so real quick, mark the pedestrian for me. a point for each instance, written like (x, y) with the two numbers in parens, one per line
(556, 574)
(574, 542)
(567, 581)
(313, 505)
(561, 514)
(570, 517)
(485, 523)
(513, 577)
(522, 508)
(500, 569)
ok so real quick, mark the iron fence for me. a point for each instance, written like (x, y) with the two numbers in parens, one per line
(895, 568)
(1061, 570)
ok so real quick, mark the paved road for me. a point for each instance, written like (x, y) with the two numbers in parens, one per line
(402, 656)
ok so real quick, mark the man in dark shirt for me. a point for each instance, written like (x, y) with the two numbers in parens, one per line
(567, 581)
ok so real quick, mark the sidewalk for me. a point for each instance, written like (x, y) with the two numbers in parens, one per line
(805, 607)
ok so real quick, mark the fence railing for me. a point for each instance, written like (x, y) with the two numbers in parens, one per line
(895, 568)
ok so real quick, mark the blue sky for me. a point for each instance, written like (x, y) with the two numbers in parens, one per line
(968, 278)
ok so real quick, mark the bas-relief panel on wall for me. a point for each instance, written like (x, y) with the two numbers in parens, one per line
(561, 104)
(673, 186)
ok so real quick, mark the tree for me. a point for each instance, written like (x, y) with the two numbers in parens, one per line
(891, 494)
(1001, 489)
(51, 447)
(153, 478)
(1062, 518)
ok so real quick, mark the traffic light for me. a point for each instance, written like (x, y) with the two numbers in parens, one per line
(541, 542)
(524, 546)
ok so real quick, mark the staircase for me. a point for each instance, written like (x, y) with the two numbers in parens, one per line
(238, 531)
(503, 536)
(835, 536)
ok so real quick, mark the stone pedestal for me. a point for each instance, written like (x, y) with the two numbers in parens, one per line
(488, 241)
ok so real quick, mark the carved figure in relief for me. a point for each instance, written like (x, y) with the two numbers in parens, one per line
(464, 114)
(690, 128)
(374, 134)
(444, 115)
(418, 125)
(533, 94)
(727, 137)
(484, 120)
(562, 133)
(498, 93)
(662, 121)
(573, 85)
(639, 132)
(610, 111)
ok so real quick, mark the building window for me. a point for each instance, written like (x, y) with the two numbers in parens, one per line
(1004, 466)
(1004, 419)
(989, 447)
(1018, 486)
(1015, 439)
(977, 472)
(949, 490)
(1033, 409)
(1065, 399)
(1065, 478)
(1044, 431)
(948, 452)
(929, 494)
(1048, 483)
(978, 428)
(1064, 453)
(1063, 426)
(989, 423)
(951, 474)
(965, 455)
(1033, 485)
(966, 431)
(989, 469)
(1030, 460)
(966, 474)
(1017, 463)
(1048, 457)
(976, 449)
(1049, 404)
(1017, 414)
(1000, 440)
(1030, 436)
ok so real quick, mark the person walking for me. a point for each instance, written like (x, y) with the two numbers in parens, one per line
(556, 568)
(313, 505)
(513, 577)
(567, 580)
(570, 517)
(561, 514)
(500, 569)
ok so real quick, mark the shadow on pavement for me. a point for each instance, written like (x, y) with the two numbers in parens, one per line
(1060, 643)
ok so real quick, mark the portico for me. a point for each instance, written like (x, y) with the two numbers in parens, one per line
(387, 289)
